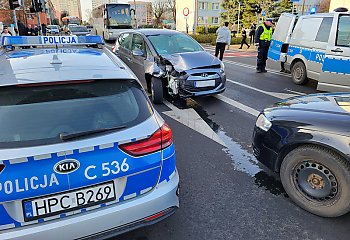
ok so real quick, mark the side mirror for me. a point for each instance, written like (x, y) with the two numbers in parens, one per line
(138, 53)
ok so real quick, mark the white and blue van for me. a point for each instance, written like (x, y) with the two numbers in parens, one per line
(314, 47)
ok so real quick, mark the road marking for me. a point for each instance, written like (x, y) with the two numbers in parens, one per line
(254, 67)
(190, 118)
(273, 94)
(238, 105)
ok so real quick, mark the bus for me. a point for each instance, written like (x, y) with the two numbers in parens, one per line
(109, 20)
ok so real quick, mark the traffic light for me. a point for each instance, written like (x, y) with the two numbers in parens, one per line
(37, 6)
(14, 4)
(256, 8)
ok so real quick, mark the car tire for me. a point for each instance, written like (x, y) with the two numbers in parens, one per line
(299, 74)
(157, 90)
(317, 180)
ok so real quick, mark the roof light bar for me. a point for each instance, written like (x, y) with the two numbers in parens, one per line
(51, 40)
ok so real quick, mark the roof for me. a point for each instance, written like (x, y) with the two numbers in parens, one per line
(155, 31)
(26, 66)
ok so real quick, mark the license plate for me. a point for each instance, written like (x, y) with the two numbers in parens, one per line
(68, 201)
(210, 83)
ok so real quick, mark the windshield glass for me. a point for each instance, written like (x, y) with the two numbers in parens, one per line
(119, 15)
(37, 115)
(78, 29)
(174, 43)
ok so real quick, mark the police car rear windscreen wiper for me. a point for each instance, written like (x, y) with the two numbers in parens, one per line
(67, 136)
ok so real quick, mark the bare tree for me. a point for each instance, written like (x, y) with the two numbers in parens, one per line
(324, 6)
(171, 5)
(159, 8)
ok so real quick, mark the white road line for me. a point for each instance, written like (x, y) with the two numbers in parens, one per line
(254, 67)
(238, 105)
(273, 94)
(190, 118)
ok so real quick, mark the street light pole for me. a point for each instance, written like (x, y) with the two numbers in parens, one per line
(302, 10)
(239, 15)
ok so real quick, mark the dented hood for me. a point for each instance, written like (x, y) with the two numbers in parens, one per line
(186, 61)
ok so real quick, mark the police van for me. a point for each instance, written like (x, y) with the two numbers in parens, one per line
(83, 153)
(314, 47)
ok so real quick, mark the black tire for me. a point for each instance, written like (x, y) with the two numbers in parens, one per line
(299, 74)
(157, 90)
(317, 180)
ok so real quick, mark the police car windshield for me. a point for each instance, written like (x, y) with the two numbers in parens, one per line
(38, 115)
(174, 43)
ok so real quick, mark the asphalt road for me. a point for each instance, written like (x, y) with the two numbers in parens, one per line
(225, 193)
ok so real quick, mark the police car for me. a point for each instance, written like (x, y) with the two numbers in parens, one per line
(83, 154)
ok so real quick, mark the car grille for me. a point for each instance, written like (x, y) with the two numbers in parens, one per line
(189, 84)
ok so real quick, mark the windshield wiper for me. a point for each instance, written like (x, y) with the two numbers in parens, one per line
(67, 136)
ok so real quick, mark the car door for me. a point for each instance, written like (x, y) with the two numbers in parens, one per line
(281, 37)
(124, 50)
(138, 57)
(335, 74)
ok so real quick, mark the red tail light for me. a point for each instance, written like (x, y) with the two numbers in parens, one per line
(113, 49)
(159, 140)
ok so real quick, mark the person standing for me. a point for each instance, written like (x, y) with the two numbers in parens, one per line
(263, 38)
(4, 33)
(223, 38)
(244, 39)
(252, 34)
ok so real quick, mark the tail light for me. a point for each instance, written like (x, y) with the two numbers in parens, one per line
(113, 48)
(159, 140)
(2, 167)
(284, 48)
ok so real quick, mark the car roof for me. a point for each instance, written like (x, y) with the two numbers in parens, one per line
(42, 65)
(154, 31)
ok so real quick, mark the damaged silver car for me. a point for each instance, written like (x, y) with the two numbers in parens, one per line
(170, 63)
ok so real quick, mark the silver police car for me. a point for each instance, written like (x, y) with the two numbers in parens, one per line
(83, 154)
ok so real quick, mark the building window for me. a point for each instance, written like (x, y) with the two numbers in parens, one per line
(202, 5)
(215, 20)
(200, 20)
(216, 6)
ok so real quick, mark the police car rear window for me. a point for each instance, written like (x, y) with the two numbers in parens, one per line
(37, 114)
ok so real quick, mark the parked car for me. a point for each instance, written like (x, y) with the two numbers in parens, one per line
(78, 30)
(315, 47)
(90, 28)
(170, 62)
(306, 139)
(52, 29)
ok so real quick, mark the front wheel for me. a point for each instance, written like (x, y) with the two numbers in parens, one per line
(298, 72)
(157, 90)
(317, 180)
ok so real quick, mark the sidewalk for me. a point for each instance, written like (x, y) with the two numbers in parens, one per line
(235, 47)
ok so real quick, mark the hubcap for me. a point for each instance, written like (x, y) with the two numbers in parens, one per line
(298, 73)
(316, 181)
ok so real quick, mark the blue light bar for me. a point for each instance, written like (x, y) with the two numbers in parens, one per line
(51, 40)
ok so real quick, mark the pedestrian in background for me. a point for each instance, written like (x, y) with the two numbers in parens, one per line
(234, 30)
(263, 39)
(252, 34)
(244, 38)
(5, 32)
(223, 38)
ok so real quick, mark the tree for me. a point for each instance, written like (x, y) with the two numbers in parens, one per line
(324, 6)
(273, 9)
(159, 8)
(171, 5)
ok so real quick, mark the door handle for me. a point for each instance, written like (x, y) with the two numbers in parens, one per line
(337, 50)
